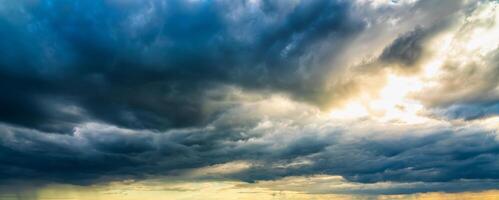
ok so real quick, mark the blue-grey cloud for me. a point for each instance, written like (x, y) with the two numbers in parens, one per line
(97, 153)
(407, 49)
(147, 64)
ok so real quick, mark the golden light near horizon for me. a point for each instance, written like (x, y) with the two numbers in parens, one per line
(292, 188)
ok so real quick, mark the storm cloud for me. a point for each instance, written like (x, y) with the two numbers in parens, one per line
(86, 58)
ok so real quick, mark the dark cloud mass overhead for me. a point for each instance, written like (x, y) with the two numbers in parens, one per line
(402, 93)
(92, 54)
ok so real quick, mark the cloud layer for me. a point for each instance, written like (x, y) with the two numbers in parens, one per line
(99, 91)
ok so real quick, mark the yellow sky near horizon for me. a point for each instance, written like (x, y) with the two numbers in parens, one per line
(183, 190)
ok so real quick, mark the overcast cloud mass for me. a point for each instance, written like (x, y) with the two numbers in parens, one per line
(320, 97)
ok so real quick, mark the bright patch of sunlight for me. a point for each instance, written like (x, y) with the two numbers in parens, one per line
(390, 104)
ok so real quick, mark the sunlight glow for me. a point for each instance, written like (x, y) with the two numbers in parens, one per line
(391, 104)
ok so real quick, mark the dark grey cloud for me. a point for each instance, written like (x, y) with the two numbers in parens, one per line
(99, 153)
(407, 49)
(147, 64)
(469, 111)
(437, 157)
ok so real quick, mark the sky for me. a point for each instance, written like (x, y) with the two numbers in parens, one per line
(249, 99)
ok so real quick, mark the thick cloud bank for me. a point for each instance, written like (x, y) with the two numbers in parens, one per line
(147, 64)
